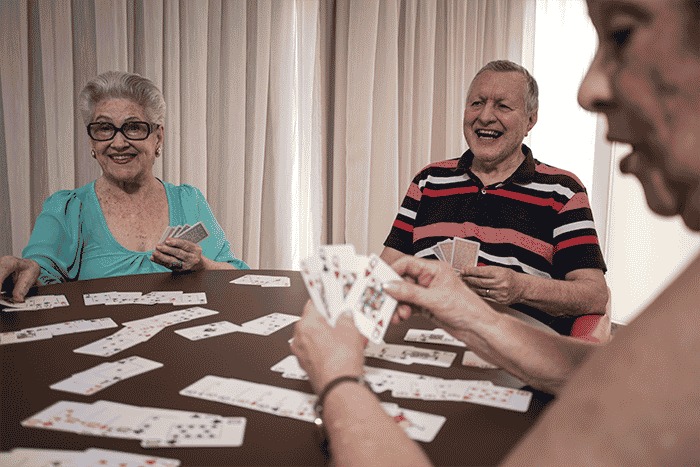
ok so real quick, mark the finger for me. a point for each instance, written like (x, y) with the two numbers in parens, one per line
(415, 267)
(180, 244)
(24, 281)
(410, 293)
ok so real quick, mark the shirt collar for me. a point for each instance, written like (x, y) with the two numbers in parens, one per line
(523, 174)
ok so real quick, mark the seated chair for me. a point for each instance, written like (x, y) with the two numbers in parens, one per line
(594, 328)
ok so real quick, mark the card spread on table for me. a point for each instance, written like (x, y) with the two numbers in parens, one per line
(208, 330)
(266, 325)
(407, 355)
(138, 331)
(95, 379)
(195, 233)
(262, 281)
(339, 280)
(295, 404)
(89, 457)
(49, 330)
(436, 336)
(36, 303)
(407, 385)
(153, 426)
(152, 298)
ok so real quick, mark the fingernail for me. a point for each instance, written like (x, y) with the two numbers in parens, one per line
(391, 286)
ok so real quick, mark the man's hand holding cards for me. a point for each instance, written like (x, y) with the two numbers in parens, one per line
(339, 280)
(459, 252)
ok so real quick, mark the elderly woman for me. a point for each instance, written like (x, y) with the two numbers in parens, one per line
(112, 226)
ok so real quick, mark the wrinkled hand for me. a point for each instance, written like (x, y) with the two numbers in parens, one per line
(326, 352)
(494, 283)
(439, 291)
(179, 255)
(24, 273)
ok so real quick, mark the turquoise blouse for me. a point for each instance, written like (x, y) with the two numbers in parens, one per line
(71, 240)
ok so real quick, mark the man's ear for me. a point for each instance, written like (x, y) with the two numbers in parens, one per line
(532, 119)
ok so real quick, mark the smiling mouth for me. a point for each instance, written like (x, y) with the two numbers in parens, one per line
(121, 158)
(488, 134)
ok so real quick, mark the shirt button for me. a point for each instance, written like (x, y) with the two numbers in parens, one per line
(483, 191)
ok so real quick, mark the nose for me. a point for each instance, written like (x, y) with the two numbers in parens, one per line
(595, 93)
(487, 113)
(119, 141)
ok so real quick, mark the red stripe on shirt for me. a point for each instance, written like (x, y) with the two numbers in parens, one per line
(414, 192)
(432, 193)
(527, 198)
(585, 240)
(403, 226)
(549, 170)
(578, 201)
(486, 235)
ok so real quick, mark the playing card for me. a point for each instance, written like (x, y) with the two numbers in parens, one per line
(471, 359)
(122, 298)
(266, 325)
(311, 272)
(208, 330)
(81, 325)
(40, 457)
(62, 416)
(39, 302)
(419, 426)
(290, 369)
(199, 298)
(465, 253)
(115, 343)
(372, 308)
(105, 457)
(25, 335)
(436, 336)
(196, 431)
(446, 247)
(194, 234)
(99, 298)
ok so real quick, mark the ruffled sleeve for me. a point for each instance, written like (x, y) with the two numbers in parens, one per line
(56, 241)
(215, 247)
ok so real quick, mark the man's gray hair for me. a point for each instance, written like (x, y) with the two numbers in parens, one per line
(122, 85)
(532, 92)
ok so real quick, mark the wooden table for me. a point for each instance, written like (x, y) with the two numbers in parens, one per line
(472, 434)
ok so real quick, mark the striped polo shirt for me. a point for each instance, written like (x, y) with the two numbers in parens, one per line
(537, 222)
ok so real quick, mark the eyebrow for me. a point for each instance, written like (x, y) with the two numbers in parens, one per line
(621, 6)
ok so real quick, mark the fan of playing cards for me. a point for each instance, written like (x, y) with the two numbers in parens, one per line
(194, 233)
(339, 280)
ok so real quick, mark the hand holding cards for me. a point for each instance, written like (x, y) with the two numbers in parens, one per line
(193, 233)
(460, 253)
(338, 280)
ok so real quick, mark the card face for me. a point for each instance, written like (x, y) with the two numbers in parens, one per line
(465, 253)
(311, 268)
(105, 457)
(121, 340)
(266, 325)
(436, 336)
(471, 359)
(419, 426)
(39, 302)
(208, 330)
(372, 307)
(196, 432)
(27, 335)
(198, 298)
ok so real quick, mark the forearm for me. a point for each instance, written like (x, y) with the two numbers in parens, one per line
(362, 434)
(542, 359)
(212, 265)
(563, 297)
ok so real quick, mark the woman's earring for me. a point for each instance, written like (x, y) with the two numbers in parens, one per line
(158, 151)
(92, 153)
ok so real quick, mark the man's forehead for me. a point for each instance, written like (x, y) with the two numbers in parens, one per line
(498, 84)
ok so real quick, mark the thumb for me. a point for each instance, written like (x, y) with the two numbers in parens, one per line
(407, 292)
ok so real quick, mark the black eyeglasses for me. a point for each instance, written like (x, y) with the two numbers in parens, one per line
(135, 131)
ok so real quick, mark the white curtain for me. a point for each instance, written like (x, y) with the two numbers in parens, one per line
(239, 80)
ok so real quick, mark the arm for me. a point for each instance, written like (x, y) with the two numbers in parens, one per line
(542, 359)
(583, 291)
(390, 255)
(633, 402)
(352, 415)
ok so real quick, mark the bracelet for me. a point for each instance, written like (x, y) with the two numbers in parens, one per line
(318, 407)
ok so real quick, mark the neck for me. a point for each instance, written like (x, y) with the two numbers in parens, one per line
(130, 188)
(490, 172)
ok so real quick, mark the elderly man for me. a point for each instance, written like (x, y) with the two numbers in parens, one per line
(539, 249)
(629, 402)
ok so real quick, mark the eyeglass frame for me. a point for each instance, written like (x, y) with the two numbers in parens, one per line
(151, 128)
